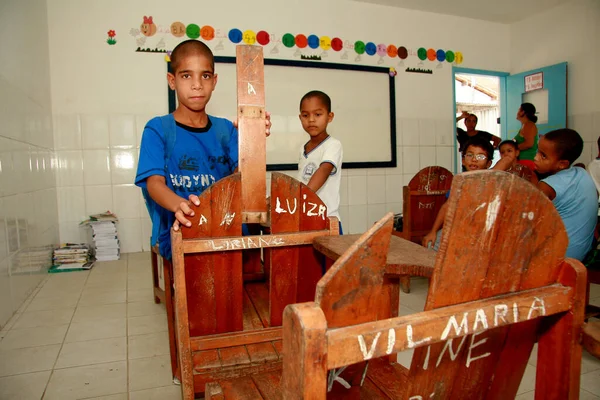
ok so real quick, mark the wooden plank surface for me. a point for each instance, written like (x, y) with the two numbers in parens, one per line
(231, 356)
(206, 360)
(235, 339)
(251, 318)
(403, 258)
(258, 292)
(251, 126)
(261, 352)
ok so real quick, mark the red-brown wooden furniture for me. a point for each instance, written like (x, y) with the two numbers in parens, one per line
(228, 313)
(489, 301)
(422, 199)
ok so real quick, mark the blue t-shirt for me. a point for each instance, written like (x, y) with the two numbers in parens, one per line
(577, 204)
(199, 158)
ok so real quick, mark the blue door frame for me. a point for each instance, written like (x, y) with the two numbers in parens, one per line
(503, 104)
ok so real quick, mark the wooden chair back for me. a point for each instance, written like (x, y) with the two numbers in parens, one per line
(500, 284)
(422, 199)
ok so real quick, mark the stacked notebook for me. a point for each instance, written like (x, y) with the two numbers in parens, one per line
(105, 236)
(71, 257)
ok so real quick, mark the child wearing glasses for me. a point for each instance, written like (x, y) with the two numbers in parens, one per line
(476, 154)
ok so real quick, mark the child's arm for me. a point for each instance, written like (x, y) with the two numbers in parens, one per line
(167, 199)
(429, 239)
(320, 176)
(547, 190)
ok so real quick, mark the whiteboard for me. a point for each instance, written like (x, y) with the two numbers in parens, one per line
(362, 99)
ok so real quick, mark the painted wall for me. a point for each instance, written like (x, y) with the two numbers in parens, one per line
(28, 208)
(102, 95)
(570, 33)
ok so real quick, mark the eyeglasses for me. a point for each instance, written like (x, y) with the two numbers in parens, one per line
(477, 157)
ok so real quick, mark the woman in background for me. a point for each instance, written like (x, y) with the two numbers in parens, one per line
(527, 138)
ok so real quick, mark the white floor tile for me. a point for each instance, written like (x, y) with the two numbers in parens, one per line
(88, 381)
(101, 329)
(147, 373)
(172, 392)
(140, 309)
(92, 352)
(31, 359)
(148, 345)
(53, 303)
(147, 324)
(33, 337)
(97, 297)
(44, 318)
(103, 312)
(25, 386)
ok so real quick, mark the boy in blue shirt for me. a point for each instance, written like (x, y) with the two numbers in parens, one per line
(571, 189)
(205, 148)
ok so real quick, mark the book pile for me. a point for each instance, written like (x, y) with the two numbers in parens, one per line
(71, 257)
(105, 236)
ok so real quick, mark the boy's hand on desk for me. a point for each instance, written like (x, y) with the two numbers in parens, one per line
(267, 123)
(429, 239)
(184, 210)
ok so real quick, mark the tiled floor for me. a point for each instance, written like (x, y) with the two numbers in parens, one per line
(99, 335)
(89, 335)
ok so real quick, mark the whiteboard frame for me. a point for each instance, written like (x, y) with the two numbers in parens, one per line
(391, 163)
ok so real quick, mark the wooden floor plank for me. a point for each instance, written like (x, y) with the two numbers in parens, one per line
(232, 356)
(259, 295)
(240, 388)
(205, 360)
(262, 352)
(251, 319)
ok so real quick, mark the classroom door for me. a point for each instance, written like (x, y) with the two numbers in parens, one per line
(546, 89)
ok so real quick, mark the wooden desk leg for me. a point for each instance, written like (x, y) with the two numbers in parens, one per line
(405, 283)
(168, 274)
(155, 279)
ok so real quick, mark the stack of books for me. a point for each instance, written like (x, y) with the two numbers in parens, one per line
(71, 257)
(105, 236)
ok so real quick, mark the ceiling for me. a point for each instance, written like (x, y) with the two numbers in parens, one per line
(501, 11)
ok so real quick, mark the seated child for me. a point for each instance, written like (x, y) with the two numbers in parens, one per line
(571, 189)
(320, 159)
(477, 154)
(510, 148)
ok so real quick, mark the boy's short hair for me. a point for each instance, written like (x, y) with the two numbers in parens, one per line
(510, 143)
(567, 143)
(482, 144)
(188, 48)
(325, 99)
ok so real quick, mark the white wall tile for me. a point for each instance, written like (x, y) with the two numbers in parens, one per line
(344, 191)
(98, 199)
(410, 160)
(22, 168)
(140, 123)
(393, 188)
(72, 232)
(130, 235)
(399, 134)
(426, 156)
(96, 167)
(67, 132)
(355, 172)
(410, 132)
(357, 219)
(123, 165)
(375, 212)
(443, 157)
(146, 233)
(445, 132)
(376, 189)
(94, 132)
(71, 204)
(427, 132)
(122, 131)
(583, 124)
(70, 168)
(126, 201)
(344, 217)
(357, 190)
(396, 208)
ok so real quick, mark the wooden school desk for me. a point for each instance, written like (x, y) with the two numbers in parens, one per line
(404, 257)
